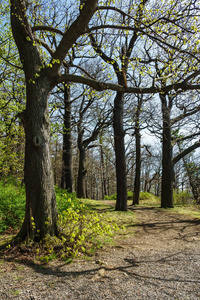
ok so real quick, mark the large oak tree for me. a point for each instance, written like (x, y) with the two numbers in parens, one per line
(41, 212)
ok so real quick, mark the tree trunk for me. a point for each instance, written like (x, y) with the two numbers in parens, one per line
(193, 176)
(136, 191)
(41, 210)
(67, 177)
(81, 173)
(167, 163)
(121, 203)
(103, 173)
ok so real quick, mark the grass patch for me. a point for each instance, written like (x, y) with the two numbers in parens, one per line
(148, 199)
(189, 210)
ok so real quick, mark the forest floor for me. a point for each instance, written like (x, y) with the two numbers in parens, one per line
(161, 260)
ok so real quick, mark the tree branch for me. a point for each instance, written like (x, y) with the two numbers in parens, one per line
(72, 34)
(185, 152)
(180, 139)
(100, 86)
(185, 114)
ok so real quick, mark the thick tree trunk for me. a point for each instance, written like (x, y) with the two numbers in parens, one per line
(81, 173)
(167, 163)
(121, 203)
(41, 210)
(67, 177)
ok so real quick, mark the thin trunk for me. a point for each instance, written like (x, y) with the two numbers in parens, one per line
(81, 173)
(67, 177)
(55, 163)
(121, 203)
(136, 191)
(103, 176)
(193, 180)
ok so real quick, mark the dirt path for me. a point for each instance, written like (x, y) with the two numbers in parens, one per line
(160, 230)
(161, 261)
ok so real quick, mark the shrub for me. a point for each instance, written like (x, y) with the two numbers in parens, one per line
(114, 196)
(80, 232)
(145, 195)
(12, 206)
(182, 198)
(130, 195)
(111, 197)
(62, 197)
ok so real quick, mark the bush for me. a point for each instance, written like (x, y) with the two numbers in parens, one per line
(81, 232)
(111, 197)
(182, 198)
(130, 195)
(114, 196)
(145, 195)
(62, 197)
(12, 206)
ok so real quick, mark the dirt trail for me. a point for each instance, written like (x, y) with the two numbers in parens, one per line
(160, 230)
(161, 261)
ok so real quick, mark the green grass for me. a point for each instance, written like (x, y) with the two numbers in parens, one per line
(189, 210)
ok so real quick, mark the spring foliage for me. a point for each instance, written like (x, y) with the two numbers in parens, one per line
(81, 230)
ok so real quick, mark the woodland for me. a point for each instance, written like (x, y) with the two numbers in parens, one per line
(98, 100)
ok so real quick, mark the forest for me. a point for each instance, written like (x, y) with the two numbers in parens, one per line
(99, 100)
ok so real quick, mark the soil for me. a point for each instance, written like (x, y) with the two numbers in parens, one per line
(160, 261)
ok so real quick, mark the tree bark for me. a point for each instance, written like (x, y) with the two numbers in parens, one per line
(136, 191)
(81, 173)
(103, 184)
(121, 203)
(167, 164)
(41, 209)
(67, 177)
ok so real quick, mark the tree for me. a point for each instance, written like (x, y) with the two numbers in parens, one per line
(41, 212)
(97, 119)
(120, 70)
(191, 165)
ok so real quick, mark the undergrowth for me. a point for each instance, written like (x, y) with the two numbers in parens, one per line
(12, 206)
(80, 231)
(182, 197)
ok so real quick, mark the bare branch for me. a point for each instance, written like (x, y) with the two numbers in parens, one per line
(185, 152)
(100, 86)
